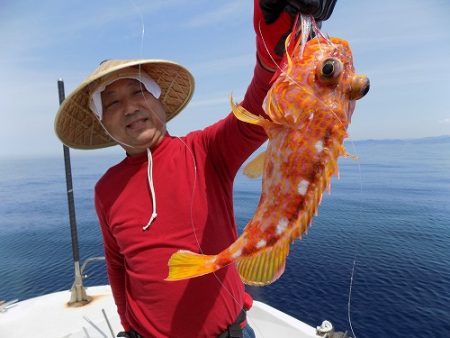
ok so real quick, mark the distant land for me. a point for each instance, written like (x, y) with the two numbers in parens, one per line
(430, 139)
(116, 151)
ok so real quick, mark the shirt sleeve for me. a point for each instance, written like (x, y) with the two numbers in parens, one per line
(114, 263)
(230, 141)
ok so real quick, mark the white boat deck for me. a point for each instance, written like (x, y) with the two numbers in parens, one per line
(49, 316)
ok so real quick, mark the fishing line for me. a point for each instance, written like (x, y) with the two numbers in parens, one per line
(305, 28)
(141, 17)
(357, 244)
(140, 52)
(267, 48)
(352, 276)
(240, 304)
(350, 298)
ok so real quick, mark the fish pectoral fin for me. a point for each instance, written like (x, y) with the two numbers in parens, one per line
(266, 267)
(185, 264)
(255, 167)
(244, 115)
(348, 155)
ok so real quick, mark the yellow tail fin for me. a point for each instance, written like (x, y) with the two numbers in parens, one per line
(185, 264)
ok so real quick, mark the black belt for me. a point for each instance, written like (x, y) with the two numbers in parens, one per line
(234, 330)
(129, 334)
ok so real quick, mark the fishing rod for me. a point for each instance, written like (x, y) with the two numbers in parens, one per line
(78, 294)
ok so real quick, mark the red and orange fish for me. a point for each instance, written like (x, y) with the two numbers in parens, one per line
(310, 105)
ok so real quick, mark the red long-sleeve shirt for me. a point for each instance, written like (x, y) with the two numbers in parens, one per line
(193, 178)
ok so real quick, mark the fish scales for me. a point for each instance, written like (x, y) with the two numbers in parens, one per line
(310, 105)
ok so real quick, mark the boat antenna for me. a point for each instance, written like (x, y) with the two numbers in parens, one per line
(78, 296)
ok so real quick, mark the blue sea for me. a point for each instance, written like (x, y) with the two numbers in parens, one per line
(376, 259)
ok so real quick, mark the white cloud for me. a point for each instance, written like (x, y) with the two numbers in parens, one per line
(445, 121)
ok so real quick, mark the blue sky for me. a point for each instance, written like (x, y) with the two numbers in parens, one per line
(403, 46)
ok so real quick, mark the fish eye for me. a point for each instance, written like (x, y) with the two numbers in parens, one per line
(331, 68)
(328, 69)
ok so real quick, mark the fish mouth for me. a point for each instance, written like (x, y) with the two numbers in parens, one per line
(360, 87)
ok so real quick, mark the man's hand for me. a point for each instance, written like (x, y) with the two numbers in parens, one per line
(320, 9)
(273, 21)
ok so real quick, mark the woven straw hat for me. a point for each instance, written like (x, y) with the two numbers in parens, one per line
(78, 127)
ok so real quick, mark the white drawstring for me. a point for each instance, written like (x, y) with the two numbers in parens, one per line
(152, 188)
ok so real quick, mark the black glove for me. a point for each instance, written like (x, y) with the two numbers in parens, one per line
(320, 9)
(129, 334)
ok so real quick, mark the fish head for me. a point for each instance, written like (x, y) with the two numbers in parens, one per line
(317, 77)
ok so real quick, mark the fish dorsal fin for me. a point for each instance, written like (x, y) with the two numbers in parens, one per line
(255, 168)
(244, 115)
(266, 267)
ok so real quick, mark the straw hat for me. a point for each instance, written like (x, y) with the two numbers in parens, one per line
(78, 127)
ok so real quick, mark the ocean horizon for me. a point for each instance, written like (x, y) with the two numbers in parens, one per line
(376, 259)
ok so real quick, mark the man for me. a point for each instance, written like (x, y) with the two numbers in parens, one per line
(172, 193)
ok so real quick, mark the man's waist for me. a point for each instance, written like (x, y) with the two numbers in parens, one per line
(234, 330)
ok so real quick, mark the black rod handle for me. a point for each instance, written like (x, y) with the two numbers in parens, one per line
(70, 198)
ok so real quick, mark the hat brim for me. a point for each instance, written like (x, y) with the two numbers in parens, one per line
(78, 127)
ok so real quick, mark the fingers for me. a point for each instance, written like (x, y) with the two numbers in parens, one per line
(327, 9)
(272, 9)
(320, 9)
(307, 7)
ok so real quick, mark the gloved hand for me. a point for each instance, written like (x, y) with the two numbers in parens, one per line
(320, 9)
(273, 20)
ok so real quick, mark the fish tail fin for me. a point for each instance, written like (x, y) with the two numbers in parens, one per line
(185, 264)
(266, 267)
(244, 115)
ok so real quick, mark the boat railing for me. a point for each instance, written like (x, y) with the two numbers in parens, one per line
(84, 265)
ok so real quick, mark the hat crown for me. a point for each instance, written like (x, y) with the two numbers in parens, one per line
(109, 66)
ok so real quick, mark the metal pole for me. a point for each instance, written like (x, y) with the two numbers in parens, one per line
(78, 292)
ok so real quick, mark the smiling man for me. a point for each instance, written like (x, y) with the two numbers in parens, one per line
(169, 192)
(133, 114)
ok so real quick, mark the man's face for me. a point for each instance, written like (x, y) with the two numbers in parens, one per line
(133, 116)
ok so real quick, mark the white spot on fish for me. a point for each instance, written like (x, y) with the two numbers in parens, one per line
(282, 225)
(311, 116)
(261, 243)
(303, 187)
(237, 253)
(319, 146)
